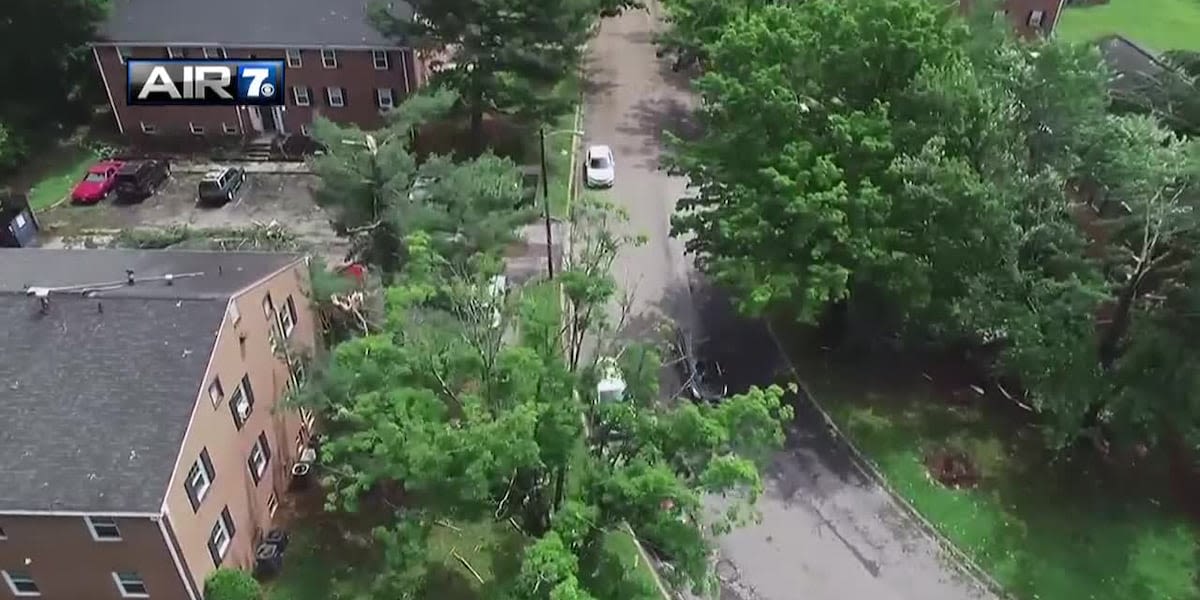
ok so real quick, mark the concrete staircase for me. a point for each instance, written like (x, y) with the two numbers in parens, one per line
(260, 149)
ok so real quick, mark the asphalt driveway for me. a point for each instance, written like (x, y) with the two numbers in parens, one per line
(827, 533)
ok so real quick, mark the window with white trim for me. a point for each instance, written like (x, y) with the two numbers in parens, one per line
(3, 535)
(103, 529)
(229, 129)
(221, 537)
(196, 129)
(214, 53)
(296, 376)
(305, 131)
(241, 403)
(294, 59)
(130, 584)
(287, 317)
(21, 584)
(384, 99)
(216, 392)
(300, 95)
(329, 58)
(1036, 17)
(199, 479)
(272, 504)
(235, 313)
(150, 128)
(380, 59)
(260, 457)
(336, 97)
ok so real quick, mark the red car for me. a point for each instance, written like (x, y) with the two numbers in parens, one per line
(98, 182)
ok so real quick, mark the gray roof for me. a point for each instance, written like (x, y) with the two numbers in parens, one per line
(96, 393)
(1132, 66)
(271, 23)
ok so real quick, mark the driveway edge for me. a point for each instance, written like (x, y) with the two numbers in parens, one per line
(871, 470)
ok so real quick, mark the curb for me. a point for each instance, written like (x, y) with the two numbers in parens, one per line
(871, 470)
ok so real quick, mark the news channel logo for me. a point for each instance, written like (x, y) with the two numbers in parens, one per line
(175, 82)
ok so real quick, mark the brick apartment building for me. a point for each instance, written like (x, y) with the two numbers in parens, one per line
(140, 444)
(337, 63)
(1030, 17)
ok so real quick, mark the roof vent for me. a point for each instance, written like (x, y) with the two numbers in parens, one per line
(43, 296)
(169, 278)
(129, 276)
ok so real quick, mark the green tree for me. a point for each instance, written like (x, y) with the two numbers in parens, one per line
(378, 193)
(500, 56)
(231, 584)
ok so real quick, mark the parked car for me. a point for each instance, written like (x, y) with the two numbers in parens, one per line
(97, 183)
(599, 168)
(701, 380)
(140, 179)
(219, 187)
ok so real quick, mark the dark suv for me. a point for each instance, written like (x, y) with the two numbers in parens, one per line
(218, 188)
(701, 379)
(140, 179)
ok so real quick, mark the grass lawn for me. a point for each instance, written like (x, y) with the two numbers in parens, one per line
(51, 179)
(1043, 529)
(1160, 25)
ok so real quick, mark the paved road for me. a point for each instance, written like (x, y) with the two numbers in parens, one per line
(827, 532)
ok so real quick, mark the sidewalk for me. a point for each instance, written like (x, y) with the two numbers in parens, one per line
(250, 166)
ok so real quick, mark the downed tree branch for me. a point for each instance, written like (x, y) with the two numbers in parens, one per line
(447, 525)
(466, 564)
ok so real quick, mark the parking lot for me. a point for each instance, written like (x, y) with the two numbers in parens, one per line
(286, 199)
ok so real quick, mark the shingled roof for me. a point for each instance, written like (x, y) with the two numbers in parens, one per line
(261, 23)
(97, 387)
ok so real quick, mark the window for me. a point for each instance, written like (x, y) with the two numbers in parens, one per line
(300, 95)
(293, 58)
(380, 58)
(242, 402)
(149, 128)
(272, 504)
(329, 58)
(235, 314)
(214, 53)
(199, 479)
(221, 536)
(196, 129)
(336, 97)
(269, 307)
(130, 584)
(296, 374)
(305, 131)
(21, 583)
(229, 129)
(260, 457)
(384, 99)
(216, 392)
(287, 317)
(1035, 18)
(104, 529)
(3, 536)
(307, 418)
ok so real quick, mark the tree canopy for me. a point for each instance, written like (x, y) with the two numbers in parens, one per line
(933, 180)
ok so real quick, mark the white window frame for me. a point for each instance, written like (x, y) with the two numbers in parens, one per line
(91, 525)
(1036, 17)
(240, 392)
(379, 97)
(235, 313)
(329, 58)
(3, 534)
(341, 97)
(294, 58)
(196, 130)
(305, 131)
(149, 128)
(272, 504)
(222, 546)
(217, 396)
(126, 593)
(229, 129)
(286, 323)
(380, 65)
(214, 53)
(200, 492)
(258, 458)
(12, 586)
(296, 95)
(307, 418)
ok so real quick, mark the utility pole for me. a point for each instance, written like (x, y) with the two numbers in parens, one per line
(546, 205)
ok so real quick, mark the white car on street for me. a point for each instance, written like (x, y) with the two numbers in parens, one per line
(599, 168)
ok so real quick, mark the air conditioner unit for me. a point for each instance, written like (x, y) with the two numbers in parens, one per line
(243, 410)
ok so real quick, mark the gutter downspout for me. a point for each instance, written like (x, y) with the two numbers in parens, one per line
(107, 89)
(181, 569)
(1057, 15)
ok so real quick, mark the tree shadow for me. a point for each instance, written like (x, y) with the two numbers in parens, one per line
(650, 119)
(598, 82)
